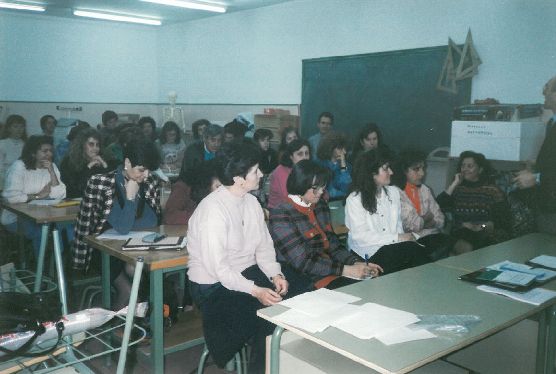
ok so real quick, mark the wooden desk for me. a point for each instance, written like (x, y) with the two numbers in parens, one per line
(157, 263)
(428, 289)
(46, 216)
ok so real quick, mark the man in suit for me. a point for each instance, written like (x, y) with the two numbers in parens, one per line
(205, 149)
(324, 124)
(544, 175)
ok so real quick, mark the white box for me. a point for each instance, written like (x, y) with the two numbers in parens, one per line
(509, 141)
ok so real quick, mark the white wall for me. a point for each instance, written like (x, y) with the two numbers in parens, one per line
(59, 59)
(255, 56)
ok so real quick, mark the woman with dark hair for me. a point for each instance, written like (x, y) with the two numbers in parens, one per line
(148, 126)
(198, 127)
(420, 212)
(303, 235)
(332, 155)
(125, 199)
(369, 137)
(82, 162)
(11, 144)
(232, 263)
(297, 150)
(269, 157)
(171, 147)
(33, 177)
(187, 192)
(373, 217)
(480, 211)
(288, 135)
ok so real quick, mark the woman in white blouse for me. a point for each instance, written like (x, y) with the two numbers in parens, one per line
(373, 217)
(33, 177)
(232, 262)
(11, 144)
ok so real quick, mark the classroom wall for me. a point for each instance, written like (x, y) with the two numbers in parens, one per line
(63, 59)
(255, 56)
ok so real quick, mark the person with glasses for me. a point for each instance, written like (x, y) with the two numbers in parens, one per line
(373, 217)
(303, 235)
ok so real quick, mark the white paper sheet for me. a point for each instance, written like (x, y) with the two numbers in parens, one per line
(541, 274)
(45, 202)
(544, 260)
(372, 320)
(536, 296)
(114, 235)
(314, 324)
(318, 302)
(404, 334)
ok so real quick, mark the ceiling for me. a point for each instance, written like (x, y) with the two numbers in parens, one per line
(167, 14)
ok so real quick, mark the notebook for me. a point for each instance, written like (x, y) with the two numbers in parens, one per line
(169, 243)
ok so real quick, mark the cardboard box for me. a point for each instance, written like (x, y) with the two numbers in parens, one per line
(509, 141)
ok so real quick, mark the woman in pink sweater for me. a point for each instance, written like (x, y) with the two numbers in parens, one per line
(296, 151)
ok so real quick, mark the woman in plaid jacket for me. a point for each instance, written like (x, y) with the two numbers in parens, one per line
(303, 236)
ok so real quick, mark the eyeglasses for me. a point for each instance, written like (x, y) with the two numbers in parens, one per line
(318, 189)
(385, 167)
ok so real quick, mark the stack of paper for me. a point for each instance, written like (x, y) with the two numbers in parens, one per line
(538, 274)
(536, 296)
(318, 310)
(544, 260)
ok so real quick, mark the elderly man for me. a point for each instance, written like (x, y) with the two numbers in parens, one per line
(544, 175)
(205, 149)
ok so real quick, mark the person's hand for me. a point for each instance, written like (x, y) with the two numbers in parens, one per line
(406, 237)
(428, 220)
(131, 189)
(524, 179)
(280, 284)
(97, 160)
(266, 296)
(46, 164)
(45, 192)
(360, 270)
(456, 182)
(341, 159)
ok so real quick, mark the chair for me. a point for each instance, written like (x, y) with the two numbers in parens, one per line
(240, 361)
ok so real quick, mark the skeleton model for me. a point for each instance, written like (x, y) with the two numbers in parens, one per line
(173, 113)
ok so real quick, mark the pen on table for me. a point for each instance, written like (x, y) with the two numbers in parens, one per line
(159, 238)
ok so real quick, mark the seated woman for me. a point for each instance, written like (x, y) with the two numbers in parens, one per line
(303, 235)
(332, 154)
(297, 150)
(369, 137)
(82, 162)
(125, 199)
(373, 217)
(188, 191)
(289, 134)
(12, 140)
(268, 155)
(172, 147)
(420, 212)
(232, 263)
(33, 177)
(480, 211)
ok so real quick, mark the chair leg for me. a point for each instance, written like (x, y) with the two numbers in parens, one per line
(239, 368)
(202, 360)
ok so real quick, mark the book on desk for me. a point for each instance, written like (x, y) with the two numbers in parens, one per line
(175, 243)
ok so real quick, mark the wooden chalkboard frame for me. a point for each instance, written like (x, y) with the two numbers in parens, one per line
(395, 89)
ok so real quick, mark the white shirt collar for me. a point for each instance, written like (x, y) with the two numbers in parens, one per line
(297, 199)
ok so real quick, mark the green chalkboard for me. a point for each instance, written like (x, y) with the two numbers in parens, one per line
(397, 90)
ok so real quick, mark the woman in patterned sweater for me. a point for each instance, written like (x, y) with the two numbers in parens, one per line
(303, 236)
(480, 211)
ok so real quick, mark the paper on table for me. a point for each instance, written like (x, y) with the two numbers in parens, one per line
(314, 324)
(544, 260)
(114, 235)
(541, 274)
(536, 296)
(373, 319)
(515, 277)
(404, 334)
(45, 202)
(318, 302)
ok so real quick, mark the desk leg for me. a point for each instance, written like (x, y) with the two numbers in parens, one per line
(275, 350)
(105, 280)
(40, 260)
(157, 323)
(541, 343)
(130, 314)
(60, 270)
(551, 340)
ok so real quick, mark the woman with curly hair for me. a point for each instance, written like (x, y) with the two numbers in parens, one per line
(332, 155)
(82, 161)
(288, 135)
(172, 147)
(480, 210)
(13, 138)
(369, 137)
(373, 217)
